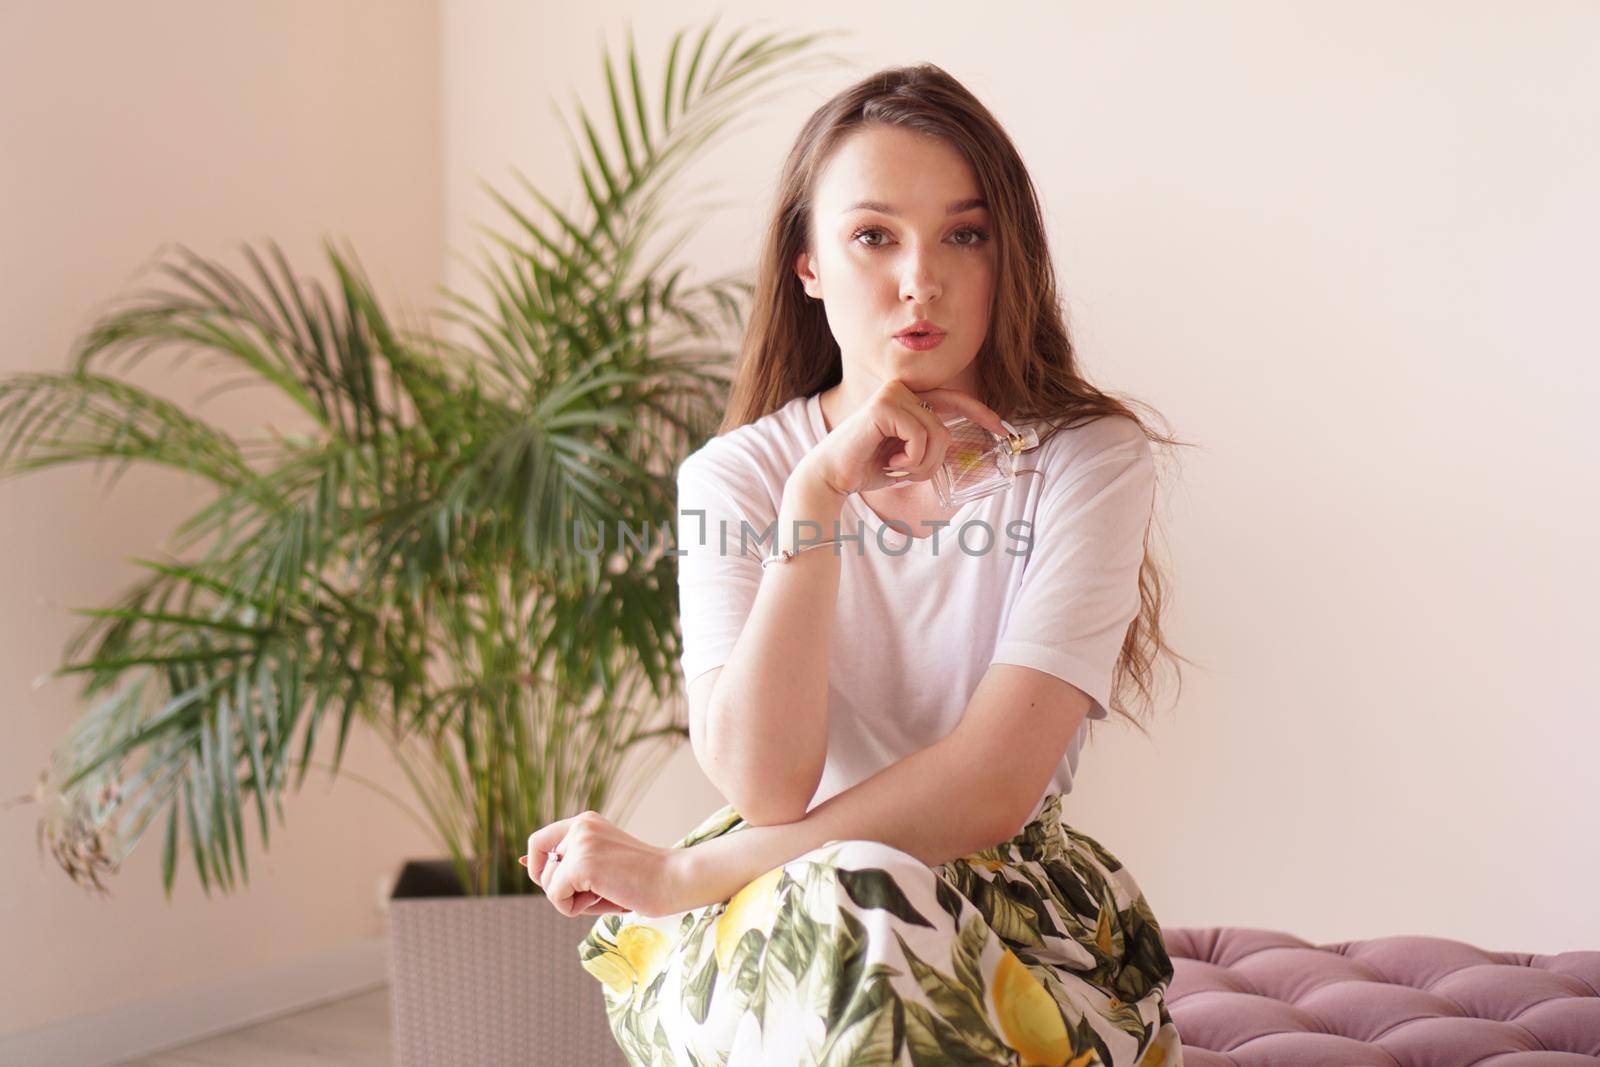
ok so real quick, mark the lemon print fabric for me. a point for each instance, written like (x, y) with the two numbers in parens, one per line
(1041, 950)
(752, 908)
(1030, 1021)
(633, 960)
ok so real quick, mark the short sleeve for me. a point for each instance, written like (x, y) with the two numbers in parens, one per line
(1080, 583)
(719, 522)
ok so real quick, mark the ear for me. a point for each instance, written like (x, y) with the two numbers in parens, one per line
(805, 268)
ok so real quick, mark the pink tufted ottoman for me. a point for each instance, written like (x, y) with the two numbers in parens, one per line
(1261, 998)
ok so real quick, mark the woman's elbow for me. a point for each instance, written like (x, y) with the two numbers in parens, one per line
(766, 801)
(764, 810)
(762, 794)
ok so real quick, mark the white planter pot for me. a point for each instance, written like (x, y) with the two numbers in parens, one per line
(489, 981)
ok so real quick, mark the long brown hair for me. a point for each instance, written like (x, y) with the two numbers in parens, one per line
(1026, 368)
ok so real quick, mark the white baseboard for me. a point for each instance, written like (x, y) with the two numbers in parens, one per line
(184, 1015)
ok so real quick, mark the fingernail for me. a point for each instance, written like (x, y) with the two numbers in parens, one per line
(894, 473)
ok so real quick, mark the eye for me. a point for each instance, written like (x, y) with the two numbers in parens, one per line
(864, 231)
(978, 235)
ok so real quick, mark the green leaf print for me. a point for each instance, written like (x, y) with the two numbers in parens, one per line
(817, 986)
(776, 985)
(794, 938)
(697, 993)
(868, 1041)
(932, 1042)
(1064, 876)
(1023, 889)
(948, 899)
(746, 962)
(1096, 850)
(969, 954)
(956, 873)
(716, 824)
(897, 1013)
(1083, 1036)
(651, 995)
(697, 945)
(882, 969)
(1010, 920)
(807, 933)
(875, 995)
(870, 887)
(1145, 962)
(847, 968)
(960, 1008)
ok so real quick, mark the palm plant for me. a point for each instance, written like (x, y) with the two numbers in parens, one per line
(429, 561)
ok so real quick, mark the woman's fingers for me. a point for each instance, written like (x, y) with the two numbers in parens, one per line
(933, 442)
(968, 405)
(586, 902)
(899, 422)
(901, 437)
(556, 853)
(566, 885)
(922, 432)
(548, 839)
(535, 874)
(599, 905)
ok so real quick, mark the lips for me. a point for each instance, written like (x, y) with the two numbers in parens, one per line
(921, 329)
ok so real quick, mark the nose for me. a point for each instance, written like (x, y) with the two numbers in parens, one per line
(917, 283)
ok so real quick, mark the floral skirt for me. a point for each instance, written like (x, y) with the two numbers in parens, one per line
(1040, 950)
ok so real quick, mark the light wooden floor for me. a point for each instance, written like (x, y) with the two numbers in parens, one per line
(353, 1031)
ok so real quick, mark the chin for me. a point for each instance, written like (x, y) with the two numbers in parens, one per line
(916, 376)
(928, 374)
(920, 370)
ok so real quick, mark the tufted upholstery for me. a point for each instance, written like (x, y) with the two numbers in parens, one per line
(1260, 998)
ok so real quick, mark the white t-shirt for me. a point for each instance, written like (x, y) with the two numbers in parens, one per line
(920, 619)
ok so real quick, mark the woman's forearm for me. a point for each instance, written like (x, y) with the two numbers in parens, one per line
(936, 804)
(767, 724)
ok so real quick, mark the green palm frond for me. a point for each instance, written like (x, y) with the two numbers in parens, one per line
(417, 562)
(50, 420)
(575, 275)
(218, 696)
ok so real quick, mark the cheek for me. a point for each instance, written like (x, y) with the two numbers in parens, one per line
(856, 277)
(979, 292)
(867, 289)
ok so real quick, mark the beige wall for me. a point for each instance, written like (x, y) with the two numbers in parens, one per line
(208, 124)
(1346, 251)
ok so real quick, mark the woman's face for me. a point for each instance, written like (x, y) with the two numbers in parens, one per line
(922, 250)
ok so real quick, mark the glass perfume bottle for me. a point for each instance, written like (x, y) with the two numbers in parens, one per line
(979, 462)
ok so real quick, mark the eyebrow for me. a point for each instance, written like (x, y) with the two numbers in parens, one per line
(955, 208)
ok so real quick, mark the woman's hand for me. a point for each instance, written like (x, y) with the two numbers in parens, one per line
(587, 866)
(897, 430)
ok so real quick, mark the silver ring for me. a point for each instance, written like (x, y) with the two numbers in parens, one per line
(925, 405)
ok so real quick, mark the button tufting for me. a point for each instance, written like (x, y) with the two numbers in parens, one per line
(1245, 996)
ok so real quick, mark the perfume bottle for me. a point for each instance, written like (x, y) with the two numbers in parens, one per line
(979, 462)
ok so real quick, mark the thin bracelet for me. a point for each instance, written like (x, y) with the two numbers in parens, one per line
(784, 555)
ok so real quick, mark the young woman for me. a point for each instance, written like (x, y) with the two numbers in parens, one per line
(892, 694)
